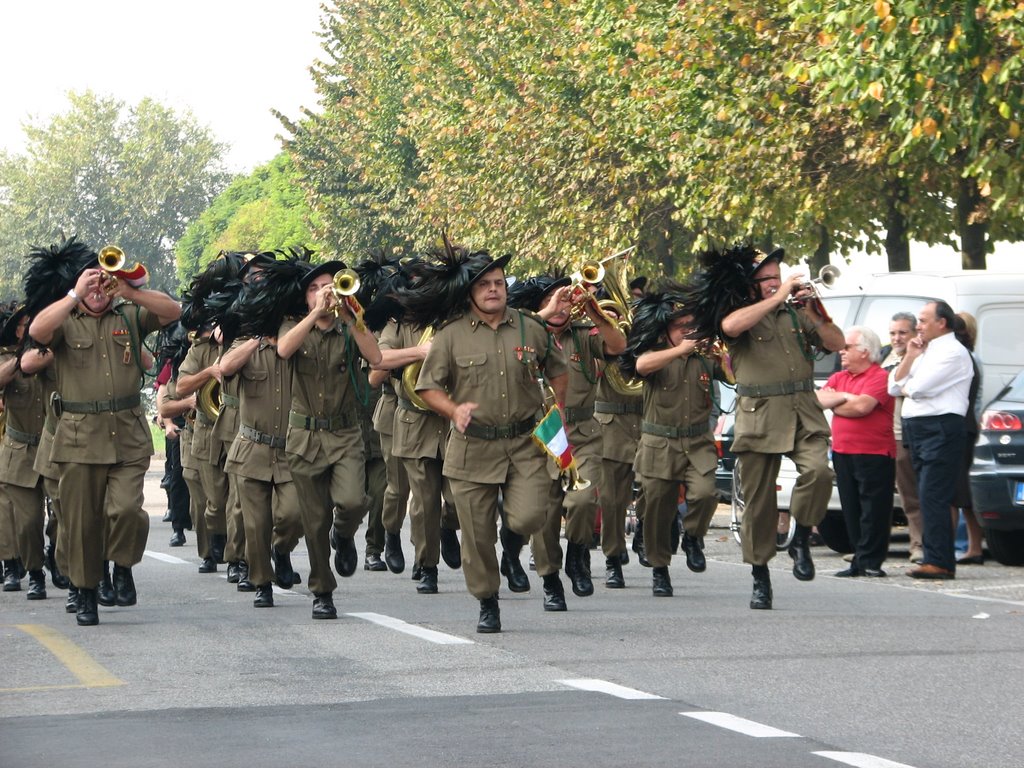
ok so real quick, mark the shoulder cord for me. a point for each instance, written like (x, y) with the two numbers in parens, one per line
(362, 393)
(805, 344)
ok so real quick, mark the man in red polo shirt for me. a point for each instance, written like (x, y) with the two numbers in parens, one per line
(863, 449)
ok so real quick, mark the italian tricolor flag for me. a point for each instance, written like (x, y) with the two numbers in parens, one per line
(550, 435)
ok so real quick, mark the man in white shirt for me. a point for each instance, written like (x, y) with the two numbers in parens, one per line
(934, 378)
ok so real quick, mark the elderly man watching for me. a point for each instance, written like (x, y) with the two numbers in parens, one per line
(863, 449)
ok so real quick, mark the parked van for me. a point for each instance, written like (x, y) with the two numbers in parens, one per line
(995, 299)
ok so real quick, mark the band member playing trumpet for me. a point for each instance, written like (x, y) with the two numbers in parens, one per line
(772, 345)
(324, 443)
(676, 444)
(102, 443)
(482, 373)
(585, 342)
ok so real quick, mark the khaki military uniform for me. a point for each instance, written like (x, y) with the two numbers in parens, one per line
(102, 444)
(325, 444)
(190, 473)
(396, 495)
(777, 414)
(225, 429)
(418, 441)
(49, 471)
(21, 487)
(584, 350)
(619, 417)
(270, 504)
(497, 369)
(677, 446)
(201, 355)
(376, 472)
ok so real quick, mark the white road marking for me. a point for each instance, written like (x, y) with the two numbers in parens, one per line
(861, 760)
(166, 558)
(398, 625)
(603, 686)
(980, 616)
(740, 725)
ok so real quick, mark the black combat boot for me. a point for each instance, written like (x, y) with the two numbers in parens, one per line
(394, 558)
(58, 579)
(284, 574)
(264, 596)
(800, 551)
(36, 585)
(694, 550)
(124, 586)
(554, 593)
(428, 584)
(12, 576)
(613, 573)
(577, 570)
(87, 615)
(323, 606)
(661, 584)
(511, 564)
(105, 589)
(218, 543)
(451, 548)
(761, 598)
(71, 604)
(490, 616)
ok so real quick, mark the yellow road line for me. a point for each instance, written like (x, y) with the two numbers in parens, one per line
(78, 662)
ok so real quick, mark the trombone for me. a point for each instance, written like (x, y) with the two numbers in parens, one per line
(344, 289)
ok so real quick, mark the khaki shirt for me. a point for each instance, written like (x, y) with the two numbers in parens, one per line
(416, 434)
(201, 355)
(584, 351)
(620, 432)
(25, 409)
(775, 351)
(42, 463)
(497, 369)
(678, 395)
(266, 392)
(94, 358)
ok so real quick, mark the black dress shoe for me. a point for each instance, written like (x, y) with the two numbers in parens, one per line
(513, 572)
(374, 563)
(209, 565)
(71, 604)
(848, 572)
(874, 573)
(490, 616)
(554, 593)
(971, 560)
(451, 549)
(105, 589)
(800, 551)
(233, 572)
(264, 596)
(661, 584)
(577, 571)
(58, 579)
(218, 543)
(428, 584)
(694, 550)
(323, 606)
(124, 586)
(613, 573)
(178, 539)
(12, 576)
(36, 585)
(393, 555)
(346, 559)
(761, 597)
(87, 615)
(284, 574)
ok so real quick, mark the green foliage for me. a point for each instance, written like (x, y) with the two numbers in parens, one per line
(265, 210)
(134, 176)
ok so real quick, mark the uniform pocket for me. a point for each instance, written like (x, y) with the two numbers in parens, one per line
(80, 352)
(471, 367)
(254, 383)
(752, 416)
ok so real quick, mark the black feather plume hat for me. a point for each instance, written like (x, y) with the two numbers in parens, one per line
(652, 314)
(269, 296)
(529, 293)
(53, 271)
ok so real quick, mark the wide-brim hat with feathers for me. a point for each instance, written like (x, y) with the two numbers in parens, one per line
(54, 270)
(324, 268)
(11, 314)
(196, 310)
(529, 293)
(381, 278)
(442, 282)
(725, 283)
(271, 296)
(652, 314)
(172, 345)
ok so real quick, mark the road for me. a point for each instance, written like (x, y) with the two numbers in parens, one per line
(876, 673)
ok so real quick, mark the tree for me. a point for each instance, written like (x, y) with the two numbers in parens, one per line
(262, 211)
(110, 173)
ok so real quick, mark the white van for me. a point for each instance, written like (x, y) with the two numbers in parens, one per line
(995, 299)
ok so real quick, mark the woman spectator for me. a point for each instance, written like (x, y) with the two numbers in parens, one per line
(966, 331)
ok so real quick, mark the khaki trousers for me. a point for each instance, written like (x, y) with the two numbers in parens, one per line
(197, 502)
(270, 513)
(396, 495)
(906, 484)
(27, 508)
(616, 494)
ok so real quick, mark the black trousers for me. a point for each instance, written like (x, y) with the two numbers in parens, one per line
(865, 482)
(177, 491)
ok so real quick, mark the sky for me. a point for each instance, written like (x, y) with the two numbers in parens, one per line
(227, 61)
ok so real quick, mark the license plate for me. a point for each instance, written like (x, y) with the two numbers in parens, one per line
(1018, 493)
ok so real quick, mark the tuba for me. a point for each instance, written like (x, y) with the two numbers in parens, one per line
(208, 399)
(616, 285)
(411, 373)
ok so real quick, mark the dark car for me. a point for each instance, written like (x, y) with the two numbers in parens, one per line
(997, 475)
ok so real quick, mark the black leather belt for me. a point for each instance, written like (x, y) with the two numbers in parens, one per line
(575, 415)
(229, 401)
(663, 430)
(410, 406)
(502, 431)
(619, 409)
(778, 388)
(101, 406)
(250, 433)
(341, 421)
(22, 437)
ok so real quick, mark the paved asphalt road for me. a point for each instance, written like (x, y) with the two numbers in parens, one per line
(876, 673)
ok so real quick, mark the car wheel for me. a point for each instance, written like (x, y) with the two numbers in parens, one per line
(1007, 547)
(832, 529)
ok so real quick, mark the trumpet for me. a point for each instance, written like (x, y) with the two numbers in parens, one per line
(111, 260)
(827, 277)
(344, 289)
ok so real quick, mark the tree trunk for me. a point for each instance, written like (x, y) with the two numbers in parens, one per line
(820, 257)
(971, 225)
(897, 239)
